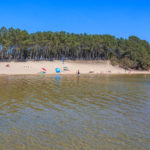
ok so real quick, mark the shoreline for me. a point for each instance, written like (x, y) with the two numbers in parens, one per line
(69, 67)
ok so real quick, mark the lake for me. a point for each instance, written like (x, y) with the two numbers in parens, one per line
(90, 112)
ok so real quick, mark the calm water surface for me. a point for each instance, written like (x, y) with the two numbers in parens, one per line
(66, 112)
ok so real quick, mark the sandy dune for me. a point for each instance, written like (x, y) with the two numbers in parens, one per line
(34, 67)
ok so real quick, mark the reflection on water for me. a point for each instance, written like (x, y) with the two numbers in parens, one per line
(67, 112)
(57, 78)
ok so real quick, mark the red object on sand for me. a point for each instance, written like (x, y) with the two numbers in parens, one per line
(44, 69)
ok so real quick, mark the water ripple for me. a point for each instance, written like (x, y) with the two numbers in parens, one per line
(74, 113)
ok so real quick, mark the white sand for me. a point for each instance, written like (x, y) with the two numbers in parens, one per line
(34, 67)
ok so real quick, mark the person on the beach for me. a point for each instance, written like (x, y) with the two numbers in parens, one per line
(78, 73)
(125, 69)
(63, 61)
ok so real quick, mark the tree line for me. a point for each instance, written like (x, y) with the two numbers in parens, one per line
(19, 45)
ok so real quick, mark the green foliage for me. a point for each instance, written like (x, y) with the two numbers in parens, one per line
(131, 53)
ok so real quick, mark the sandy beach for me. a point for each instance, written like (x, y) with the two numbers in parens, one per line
(71, 67)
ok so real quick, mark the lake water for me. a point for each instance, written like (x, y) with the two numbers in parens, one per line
(89, 112)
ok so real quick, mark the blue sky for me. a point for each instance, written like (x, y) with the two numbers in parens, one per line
(121, 18)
